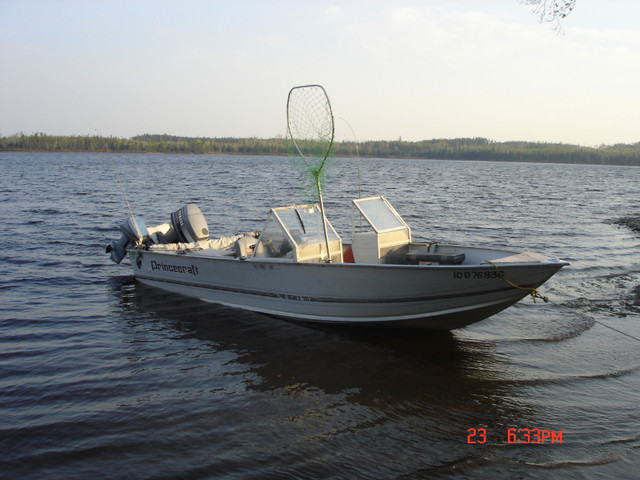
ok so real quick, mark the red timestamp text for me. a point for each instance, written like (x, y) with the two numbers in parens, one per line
(533, 435)
(518, 435)
(477, 435)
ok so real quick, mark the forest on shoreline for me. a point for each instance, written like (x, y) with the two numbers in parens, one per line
(437, 149)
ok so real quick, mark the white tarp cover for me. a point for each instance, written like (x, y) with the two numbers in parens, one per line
(222, 243)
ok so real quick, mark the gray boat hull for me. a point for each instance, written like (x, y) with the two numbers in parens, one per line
(442, 297)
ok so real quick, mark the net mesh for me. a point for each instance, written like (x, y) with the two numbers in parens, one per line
(310, 124)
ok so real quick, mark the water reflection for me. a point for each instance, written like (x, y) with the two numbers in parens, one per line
(414, 372)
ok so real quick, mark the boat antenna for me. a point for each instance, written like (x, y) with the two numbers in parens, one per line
(133, 221)
(113, 164)
(311, 127)
(357, 143)
(355, 139)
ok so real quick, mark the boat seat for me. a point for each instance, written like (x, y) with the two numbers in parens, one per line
(244, 246)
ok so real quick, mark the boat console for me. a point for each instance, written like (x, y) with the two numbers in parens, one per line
(297, 234)
(377, 230)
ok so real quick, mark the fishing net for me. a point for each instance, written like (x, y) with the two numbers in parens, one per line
(311, 127)
(310, 124)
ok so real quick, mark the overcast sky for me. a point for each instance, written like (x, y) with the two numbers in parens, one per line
(411, 69)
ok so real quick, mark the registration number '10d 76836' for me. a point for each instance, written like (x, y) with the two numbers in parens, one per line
(483, 274)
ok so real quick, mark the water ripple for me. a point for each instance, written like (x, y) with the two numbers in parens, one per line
(99, 374)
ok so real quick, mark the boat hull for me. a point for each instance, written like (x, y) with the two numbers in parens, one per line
(442, 297)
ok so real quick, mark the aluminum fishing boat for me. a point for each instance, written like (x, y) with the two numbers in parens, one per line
(295, 269)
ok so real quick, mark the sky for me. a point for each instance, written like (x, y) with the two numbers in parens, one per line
(405, 69)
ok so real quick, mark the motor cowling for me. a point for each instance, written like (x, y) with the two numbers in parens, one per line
(189, 224)
(131, 231)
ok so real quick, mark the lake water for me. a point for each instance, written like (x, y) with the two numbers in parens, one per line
(103, 378)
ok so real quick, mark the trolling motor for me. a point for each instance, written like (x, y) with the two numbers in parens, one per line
(118, 249)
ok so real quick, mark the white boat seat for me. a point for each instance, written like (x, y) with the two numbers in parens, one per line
(244, 246)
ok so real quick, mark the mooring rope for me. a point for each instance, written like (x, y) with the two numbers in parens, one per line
(594, 320)
(534, 294)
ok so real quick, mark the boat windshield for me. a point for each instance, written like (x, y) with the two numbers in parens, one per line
(296, 233)
(379, 214)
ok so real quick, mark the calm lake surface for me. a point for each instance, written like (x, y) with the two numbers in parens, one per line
(103, 378)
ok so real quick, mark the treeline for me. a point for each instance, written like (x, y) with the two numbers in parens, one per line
(144, 144)
(488, 150)
(445, 149)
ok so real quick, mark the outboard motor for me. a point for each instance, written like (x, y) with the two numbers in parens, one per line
(189, 224)
(118, 250)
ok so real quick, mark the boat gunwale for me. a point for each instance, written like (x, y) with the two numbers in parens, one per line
(277, 261)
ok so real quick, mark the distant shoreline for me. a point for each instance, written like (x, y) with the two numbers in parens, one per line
(438, 149)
